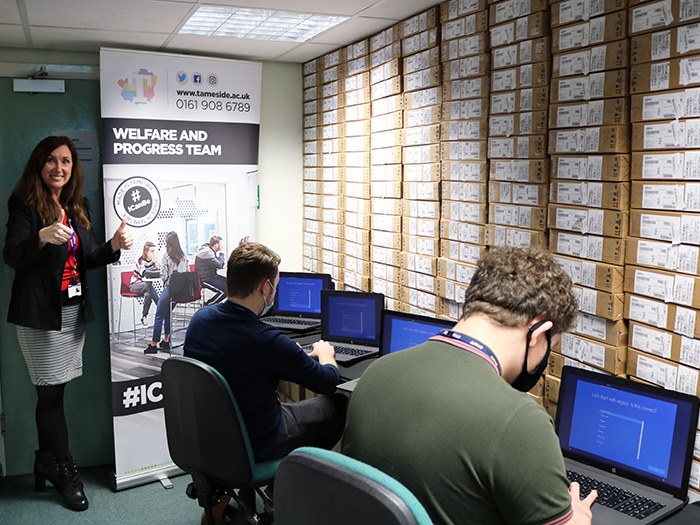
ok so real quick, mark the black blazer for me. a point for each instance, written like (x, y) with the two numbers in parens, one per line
(36, 290)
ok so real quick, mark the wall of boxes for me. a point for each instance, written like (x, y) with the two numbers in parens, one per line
(571, 125)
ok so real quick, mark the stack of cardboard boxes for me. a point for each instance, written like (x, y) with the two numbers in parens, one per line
(663, 249)
(465, 66)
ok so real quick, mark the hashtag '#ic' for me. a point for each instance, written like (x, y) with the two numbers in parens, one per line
(132, 396)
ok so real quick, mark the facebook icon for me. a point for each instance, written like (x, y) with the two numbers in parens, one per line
(197, 78)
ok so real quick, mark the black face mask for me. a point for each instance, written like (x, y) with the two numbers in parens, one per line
(527, 380)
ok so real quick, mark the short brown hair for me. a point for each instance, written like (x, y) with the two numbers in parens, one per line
(514, 285)
(248, 265)
(215, 239)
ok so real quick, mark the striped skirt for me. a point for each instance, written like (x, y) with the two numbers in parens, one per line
(55, 357)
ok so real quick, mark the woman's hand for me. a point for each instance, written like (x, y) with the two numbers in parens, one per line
(122, 238)
(56, 233)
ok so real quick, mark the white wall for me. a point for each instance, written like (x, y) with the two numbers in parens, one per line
(279, 219)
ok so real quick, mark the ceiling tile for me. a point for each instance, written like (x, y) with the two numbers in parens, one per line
(244, 48)
(406, 8)
(306, 52)
(326, 7)
(12, 36)
(9, 12)
(92, 40)
(353, 30)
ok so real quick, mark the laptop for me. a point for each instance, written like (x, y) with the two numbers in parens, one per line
(351, 322)
(297, 305)
(629, 435)
(401, 330)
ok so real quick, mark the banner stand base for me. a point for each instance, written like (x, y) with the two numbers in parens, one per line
(127, 482)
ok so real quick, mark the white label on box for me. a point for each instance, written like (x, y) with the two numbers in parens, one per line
(662, 166)
(586, 351)
(526, 75)
(526, 98)
(652, 341)
(688, 38)
(663, 197)
(597, 61)
(503, 103)
(659, 75)
(649, 312)
(661, 45)
(657, 254)
(591, 325)
(578, 63)
(502, 35)
(690, 351)
(663, 106)
(505, 56)
(685, 321)
(588, 271)
(573, 89)
(504, 80)
(658, 14)
(525, 122)
(521, 28)
(687, 382)
(571, 219)
(661, 227)
(594, 113)
(661, 374)
(569, 141)
(687, 259)
(690, 229)
(525, 49)
(691, 201)
(502, 148)
(574, 36)
(596, 30)
(592, 141)
(654, 285)
(683, 288)
(523, 147)
(689, 9)
(587, 300)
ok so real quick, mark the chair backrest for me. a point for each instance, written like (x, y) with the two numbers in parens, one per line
(185, 287)
(124, 285)
(206, 432)
(313, 485)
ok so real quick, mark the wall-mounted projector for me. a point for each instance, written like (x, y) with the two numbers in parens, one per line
(34, 85)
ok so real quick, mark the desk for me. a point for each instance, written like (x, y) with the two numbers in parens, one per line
(689, 515)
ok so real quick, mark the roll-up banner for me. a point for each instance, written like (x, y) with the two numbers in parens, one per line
(179, 146)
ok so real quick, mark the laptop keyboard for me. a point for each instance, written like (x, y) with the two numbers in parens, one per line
(288, 320)
(348, 350)
(615, 498)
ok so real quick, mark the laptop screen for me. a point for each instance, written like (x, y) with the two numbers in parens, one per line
(632, 429)
(351, 317)
(299, 294)
(401, 330)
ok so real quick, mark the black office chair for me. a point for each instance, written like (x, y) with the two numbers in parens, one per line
(314, 485)
(207, 438)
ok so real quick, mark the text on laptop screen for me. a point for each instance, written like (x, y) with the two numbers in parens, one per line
(637, 431)
(400, 333)
(352, 317)
(300, 295)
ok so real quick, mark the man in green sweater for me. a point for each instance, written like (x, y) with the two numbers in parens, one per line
(449, 418)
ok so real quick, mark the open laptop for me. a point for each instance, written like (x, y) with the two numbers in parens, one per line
(297, 306)
(351, 322)
(629, 435)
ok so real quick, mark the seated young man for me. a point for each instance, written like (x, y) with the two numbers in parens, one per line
(450, 418)
(208, 260)
(253, 357)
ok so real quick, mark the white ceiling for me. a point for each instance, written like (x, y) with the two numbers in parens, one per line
(86, 25)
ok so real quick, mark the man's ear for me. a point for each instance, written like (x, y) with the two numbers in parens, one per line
(539, 332)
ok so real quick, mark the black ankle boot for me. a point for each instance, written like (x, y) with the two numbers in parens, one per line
(70, 486)
(45, 468)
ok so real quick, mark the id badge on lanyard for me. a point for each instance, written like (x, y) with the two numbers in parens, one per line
(74, 288)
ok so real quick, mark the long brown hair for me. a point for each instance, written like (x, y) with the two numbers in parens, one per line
(32, 190)
(172, 247)
(147, 246)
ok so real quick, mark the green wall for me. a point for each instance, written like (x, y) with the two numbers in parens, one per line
(24, 120)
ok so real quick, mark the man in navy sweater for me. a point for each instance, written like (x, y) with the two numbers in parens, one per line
(253, 357)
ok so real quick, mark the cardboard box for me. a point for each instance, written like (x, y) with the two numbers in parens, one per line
(524, 28)
(528, 146)
(464, 191)
(386, 105)
(668, 134)
(422, 173)
(477, 87)
(532, 99)
(518, 193)
(421, 154)
(462, 252)
(525, 76)
(606, 112)
(422, 79)
(476, 108)
(669, 43)
(609, 223)
(468, 46)
(598, 30)
(465, 26)
(512, 9)
(665, 286)
(419, 281)
(529, 217)
(668, 74)
(386, 272)
(384, 55)
(386, 223)
(604, 84)
(591, 167)
(423, 98)
(464, 150)
(450, 310)
(605, 357)
(596, 139)
(670, 196)
(584, 61)
(662, 372)
(455, 270)
(473, 66)
(421, 227)
(451, 290)
(525, 123)
(419, 263)
(608, 305)
(420, 22)
(681, 258)
(463, 211)
(390, 35)
(463, 130)
(526, 170)
(551, 387)
(558, 361)
(460, 231)
(676, 104)
(423, 116)
(666, 226)
(592, 247)
(383, 255)
(386, 206)
(358, 49)
(359, 266)
(571, 11)
(519, 53)
(613, 195)
(551, 408)
(385, 88)
(497, 235)
(675, 165)
(650, 16)
(669, 316)
(421, 209)
(421, 245)
(476, 171)
(423, 300)
(597, 275)
(612, 332)
(455, 8)
(420, 42)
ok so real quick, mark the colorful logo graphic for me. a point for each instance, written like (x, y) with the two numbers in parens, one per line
(137, 199)
(139, 87)
(181, 77)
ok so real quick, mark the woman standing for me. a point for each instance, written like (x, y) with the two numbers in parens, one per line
(146, 267)
(174, 260)
(51, 245)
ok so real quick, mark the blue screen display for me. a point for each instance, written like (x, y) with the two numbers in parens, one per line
(352, 318)
(405, 333)
(299, 295)
(626, 428)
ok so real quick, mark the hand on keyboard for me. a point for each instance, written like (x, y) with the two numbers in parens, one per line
(581, 507)
(324, 352)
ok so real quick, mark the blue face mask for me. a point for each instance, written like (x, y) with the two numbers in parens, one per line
(527, 380)
(267, 306)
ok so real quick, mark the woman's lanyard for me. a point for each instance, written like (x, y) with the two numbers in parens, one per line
(74, 288)
(468, 344)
